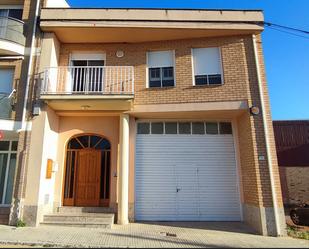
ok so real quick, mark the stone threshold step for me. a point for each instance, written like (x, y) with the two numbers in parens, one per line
(78, 224)
(92, 215)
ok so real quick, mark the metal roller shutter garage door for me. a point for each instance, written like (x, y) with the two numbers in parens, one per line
(186, 178)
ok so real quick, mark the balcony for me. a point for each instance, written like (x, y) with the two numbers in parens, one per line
(12, 39)
(80, 88)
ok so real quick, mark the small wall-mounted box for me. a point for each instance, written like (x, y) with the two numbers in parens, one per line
(49, 168)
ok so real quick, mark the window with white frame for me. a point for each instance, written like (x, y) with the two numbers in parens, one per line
(207, 66)
(8, 152)
(161, 69)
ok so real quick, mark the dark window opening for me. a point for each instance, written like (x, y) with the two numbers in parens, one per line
(184, 128)
(214, 79)
(161, 77)
(225, 128)
(143, 128)
(157, 128)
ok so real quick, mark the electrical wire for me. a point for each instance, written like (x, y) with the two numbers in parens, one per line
(286, 27)
(287, 32)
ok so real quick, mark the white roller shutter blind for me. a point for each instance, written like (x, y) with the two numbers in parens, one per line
(207, 61)
(88, 56)
(160, 59)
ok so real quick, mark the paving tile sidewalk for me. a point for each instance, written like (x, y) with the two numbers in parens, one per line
(147, 235)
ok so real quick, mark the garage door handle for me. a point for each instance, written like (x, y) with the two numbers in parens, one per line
(178, 189)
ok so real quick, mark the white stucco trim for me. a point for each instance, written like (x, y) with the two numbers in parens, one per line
(11, 48)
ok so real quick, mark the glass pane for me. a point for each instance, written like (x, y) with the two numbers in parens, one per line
(143, 128)
(154, 77)
(104, 145)
(168, 73)
(69, 174)
(79, 75)
(10, 182)
(212, 128)
(225, 128)
(14, 146)
(94, 140)
(96, 63)
(84, 140)
(108, 174)
(215, 79)
(185, 128)
(200, 80)
(198, 128)
(157, 128)
(171, 128)
(4, 145)
(74, 144)
(168, 82)
(3, 162)
(168, 76)
(16, 13)
(105, 175)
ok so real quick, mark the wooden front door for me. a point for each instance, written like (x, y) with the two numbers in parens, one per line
(88, 178)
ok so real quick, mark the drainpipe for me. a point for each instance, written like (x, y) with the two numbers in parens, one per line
(24, 123)
(267, 140)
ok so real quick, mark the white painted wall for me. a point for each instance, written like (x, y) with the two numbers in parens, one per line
(50, 149)
(56, 4)
(43, 146)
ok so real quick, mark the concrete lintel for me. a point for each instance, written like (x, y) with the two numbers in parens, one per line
(187, 107)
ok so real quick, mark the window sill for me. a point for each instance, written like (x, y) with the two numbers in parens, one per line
(207, 86)
(160, 88)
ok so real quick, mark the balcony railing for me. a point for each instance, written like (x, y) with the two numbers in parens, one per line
(12, 30)
(108, 80)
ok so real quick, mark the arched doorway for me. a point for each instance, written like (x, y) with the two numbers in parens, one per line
(87, 171)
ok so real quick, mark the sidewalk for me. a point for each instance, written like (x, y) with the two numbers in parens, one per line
(216, 234)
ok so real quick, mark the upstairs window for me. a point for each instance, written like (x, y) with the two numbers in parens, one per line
(13, 13)
(207, 66)
(161, 69)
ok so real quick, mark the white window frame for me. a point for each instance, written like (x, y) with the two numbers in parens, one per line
(9, 153)
(221, 69)
(147, 67)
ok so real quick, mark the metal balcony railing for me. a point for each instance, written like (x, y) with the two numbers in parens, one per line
(12, 29)
(108, 80)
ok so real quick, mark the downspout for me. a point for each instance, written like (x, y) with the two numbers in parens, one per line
(267, 140)
(24, 124)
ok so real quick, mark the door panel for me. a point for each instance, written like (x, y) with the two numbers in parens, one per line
(88, 178)
(187, 192)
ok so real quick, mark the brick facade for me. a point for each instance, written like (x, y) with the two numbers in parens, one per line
(294, 183)
(240, 83)
(135, 55)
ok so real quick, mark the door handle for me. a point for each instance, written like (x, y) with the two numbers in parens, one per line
(178, 189)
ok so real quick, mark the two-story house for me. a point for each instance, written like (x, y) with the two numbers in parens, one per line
(153, 115)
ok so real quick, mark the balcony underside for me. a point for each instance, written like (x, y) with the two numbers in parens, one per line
(143, 25)
(89, 103)
(136, 35)
(11, 48)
